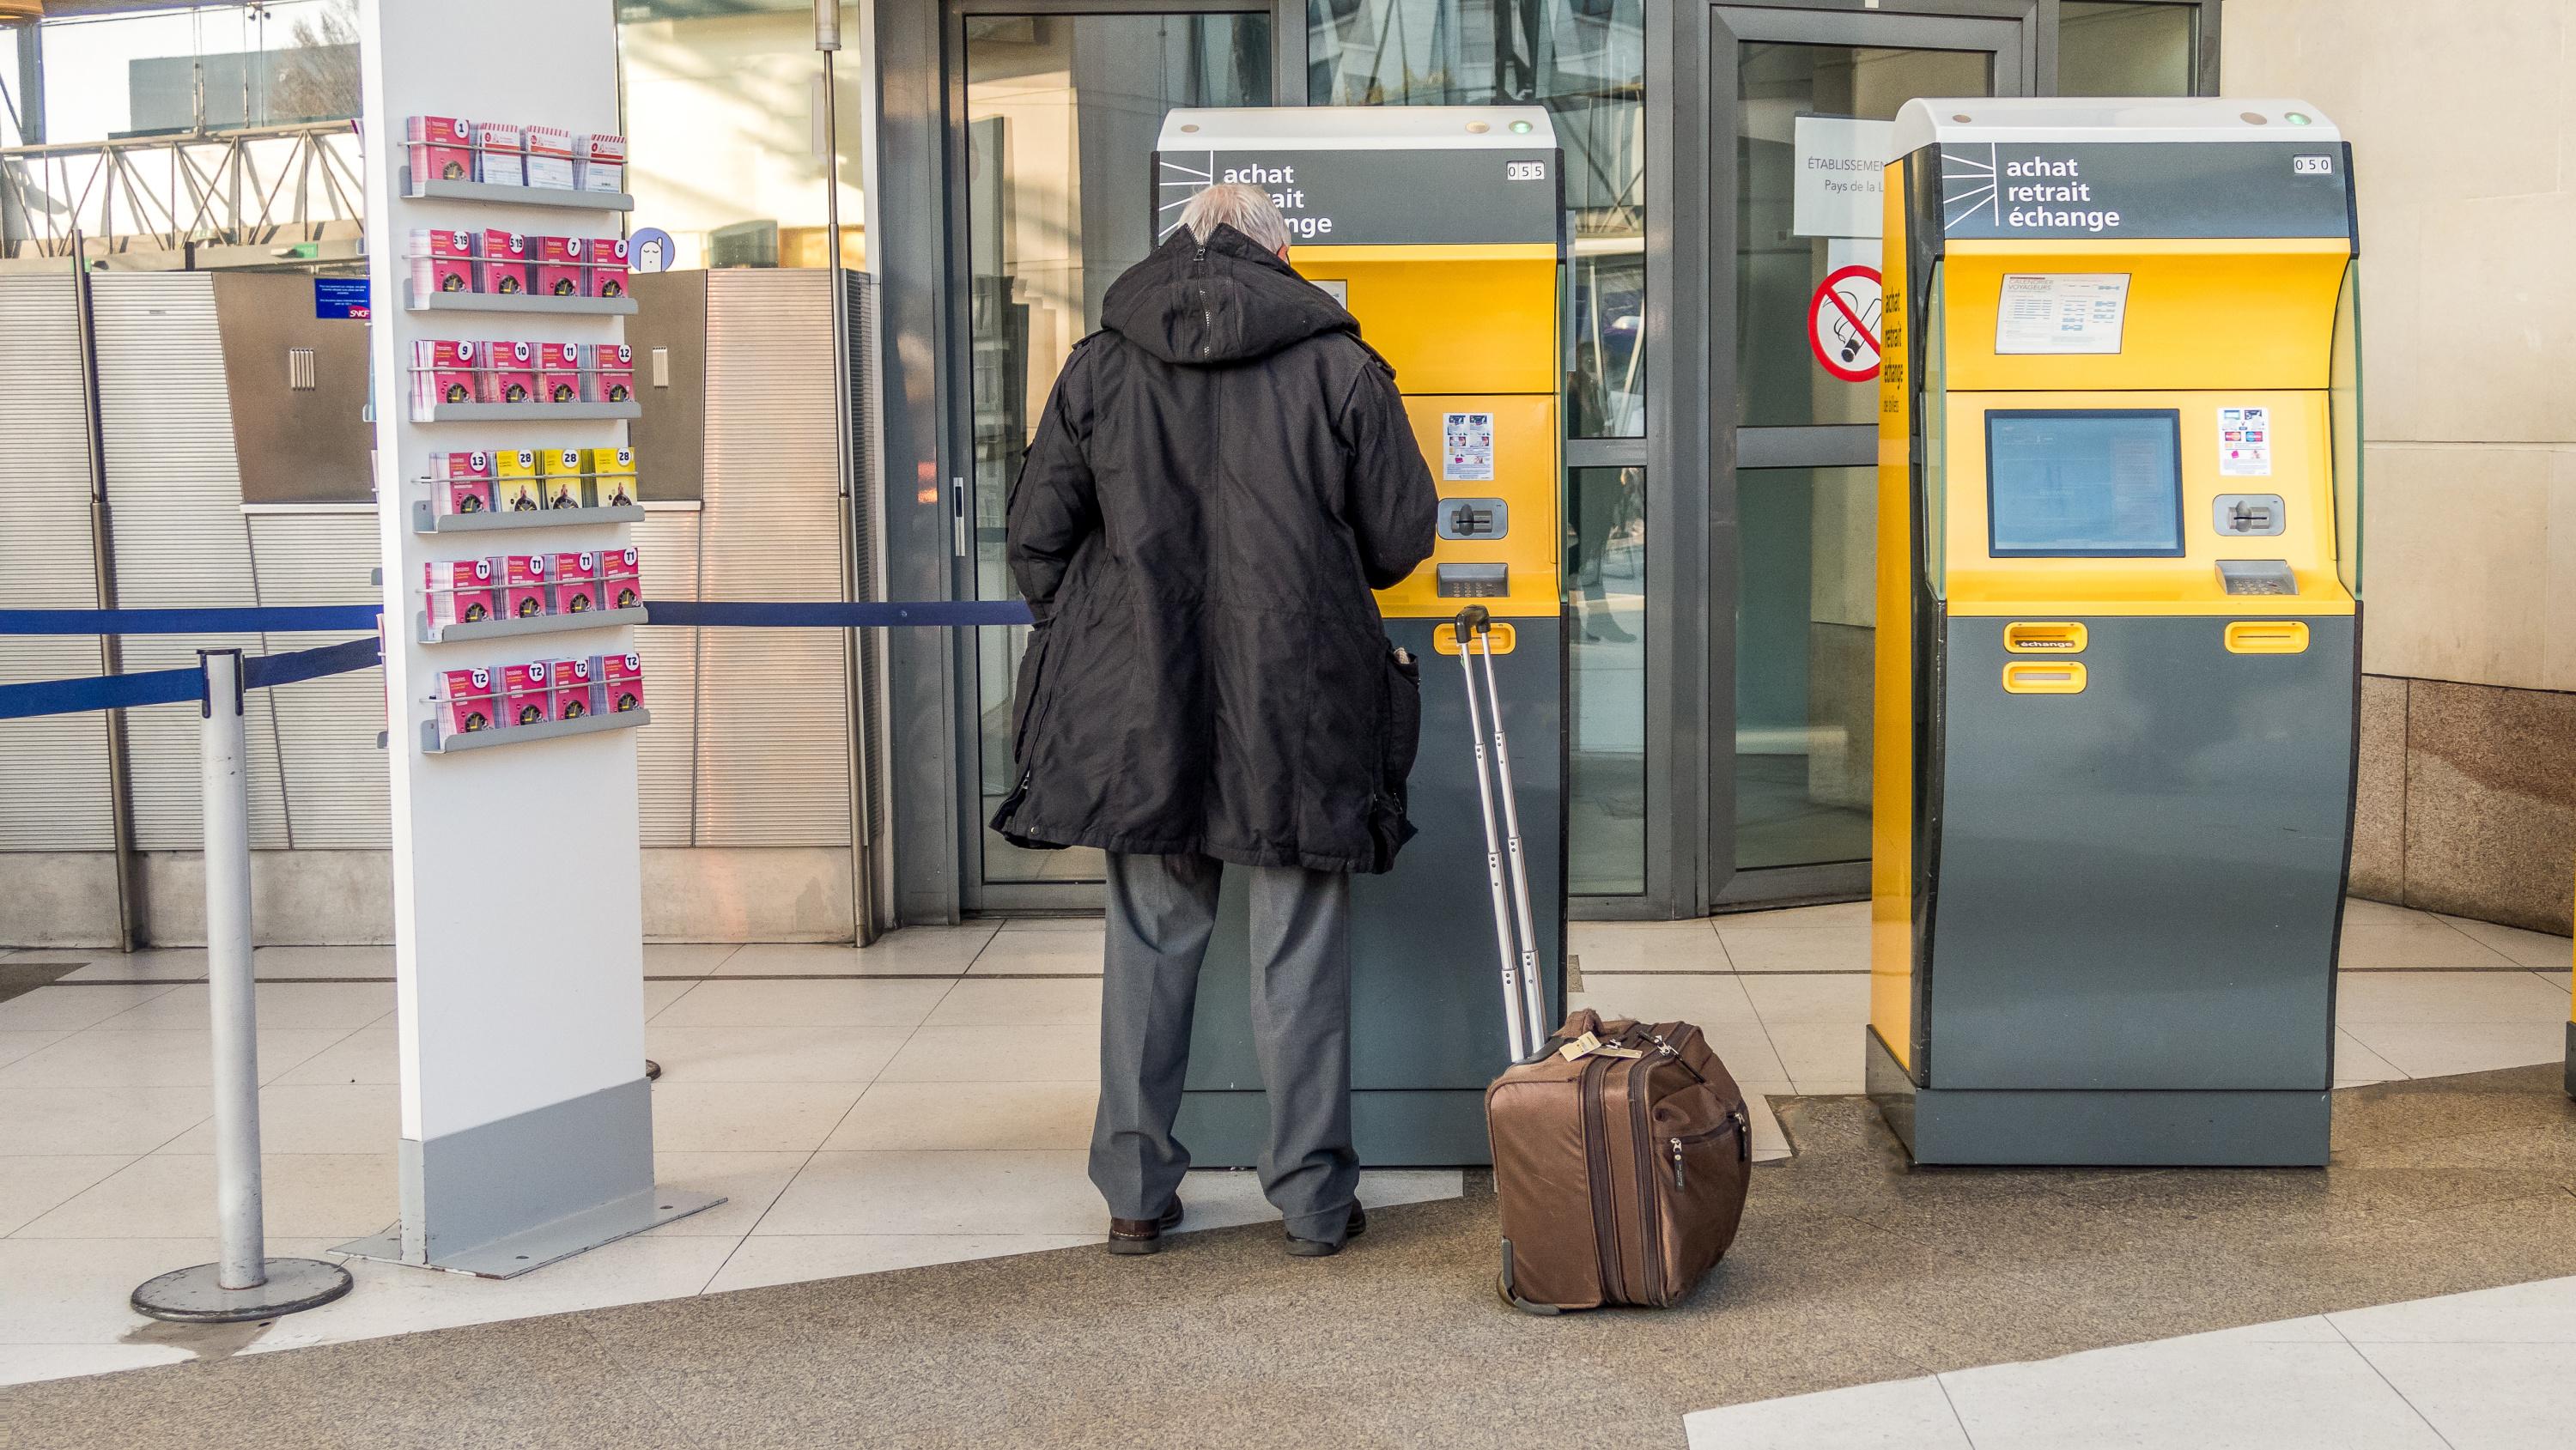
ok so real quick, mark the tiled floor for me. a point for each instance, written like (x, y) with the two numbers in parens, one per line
(2488, 1370)
(1783, 992)
(812, 1085)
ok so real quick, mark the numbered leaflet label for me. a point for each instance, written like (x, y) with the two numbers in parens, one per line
(2061, 312)
(1467, 448)
(2245, 442)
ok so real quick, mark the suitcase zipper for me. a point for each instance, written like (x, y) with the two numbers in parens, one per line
(1735, 1123)
(1596, 1144)
(1650, 1221)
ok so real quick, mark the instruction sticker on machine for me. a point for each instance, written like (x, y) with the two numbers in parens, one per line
(2245, 442)
(2061, 312)
(1467, 448)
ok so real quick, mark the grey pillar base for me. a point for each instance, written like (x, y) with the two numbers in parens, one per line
(1391, 1127)
(506, 1197)
(197, 1296)
(2106, 1128)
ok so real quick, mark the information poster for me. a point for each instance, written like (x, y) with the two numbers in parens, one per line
(2245, 442)
(1467, 448)
(2061, 312)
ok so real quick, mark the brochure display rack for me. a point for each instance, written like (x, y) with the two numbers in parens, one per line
(496, 218)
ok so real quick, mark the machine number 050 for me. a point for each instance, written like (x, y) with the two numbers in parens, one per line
(1524, 171)
(2312, 166)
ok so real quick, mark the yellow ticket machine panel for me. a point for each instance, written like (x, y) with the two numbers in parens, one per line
(2118, 629)
(1440, 229)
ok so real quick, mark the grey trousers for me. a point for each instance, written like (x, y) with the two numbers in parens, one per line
(1161, 912)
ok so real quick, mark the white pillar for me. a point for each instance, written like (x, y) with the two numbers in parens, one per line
(518, 894)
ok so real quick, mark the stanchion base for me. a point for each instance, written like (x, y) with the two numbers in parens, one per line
(196, 1296)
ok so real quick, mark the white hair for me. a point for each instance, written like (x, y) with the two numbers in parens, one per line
(1247, 209)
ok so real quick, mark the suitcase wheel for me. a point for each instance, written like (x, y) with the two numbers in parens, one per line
(1503, 1286)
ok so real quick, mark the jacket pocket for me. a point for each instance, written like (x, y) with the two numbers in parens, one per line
(1403, 719)
(1024, 694)
(1028, 712)
(1389, 826)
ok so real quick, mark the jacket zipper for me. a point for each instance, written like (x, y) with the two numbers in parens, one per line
(1596, 1143)
(1207, 312)
(1735, 1123)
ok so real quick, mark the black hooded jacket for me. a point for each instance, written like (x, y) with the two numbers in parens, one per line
(1223, 474)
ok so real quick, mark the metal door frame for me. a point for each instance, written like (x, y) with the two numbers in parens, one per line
(1287, 87)
(915, 51)
(2019, 35)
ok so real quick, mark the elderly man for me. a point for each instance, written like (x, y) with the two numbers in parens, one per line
(1224, 473)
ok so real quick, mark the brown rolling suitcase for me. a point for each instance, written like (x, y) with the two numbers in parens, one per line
(1621, 1155)
(1621, 1149)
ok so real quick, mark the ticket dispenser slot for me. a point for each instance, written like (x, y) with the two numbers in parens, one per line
(2044, 639)
(2267, 637)
(2053, 678)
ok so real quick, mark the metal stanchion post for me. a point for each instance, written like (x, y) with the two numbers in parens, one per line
(244, 1283)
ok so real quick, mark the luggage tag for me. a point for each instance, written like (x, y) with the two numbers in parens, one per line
(1590, 1044)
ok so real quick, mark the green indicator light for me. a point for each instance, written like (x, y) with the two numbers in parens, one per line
(1521, 127)
(2295, 118)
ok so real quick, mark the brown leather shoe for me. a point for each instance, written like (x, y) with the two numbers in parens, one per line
(1143, 1235)
(1319, 1248)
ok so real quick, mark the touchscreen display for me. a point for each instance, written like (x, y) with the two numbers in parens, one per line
(2084, 483)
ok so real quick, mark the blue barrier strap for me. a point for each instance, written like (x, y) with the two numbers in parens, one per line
(164, 687)
(169, 687)
(264, 671)
(833, 615)
(100, 692)
(189, 621)
(685, 612)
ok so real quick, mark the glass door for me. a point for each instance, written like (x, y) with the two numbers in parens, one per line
(1061, 110)
(1801, 102)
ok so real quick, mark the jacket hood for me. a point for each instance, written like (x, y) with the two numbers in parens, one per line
(1223, 301)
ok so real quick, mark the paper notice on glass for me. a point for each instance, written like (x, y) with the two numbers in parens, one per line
(2061, 312)
(1834, 190)
(2245, 442)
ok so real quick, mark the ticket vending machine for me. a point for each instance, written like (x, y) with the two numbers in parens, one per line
(2118, 630)
(1440, 228)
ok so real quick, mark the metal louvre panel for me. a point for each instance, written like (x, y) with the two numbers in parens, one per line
(666, 750)
(53, 789)
(174, 490)
(337, 795)
(773, 743)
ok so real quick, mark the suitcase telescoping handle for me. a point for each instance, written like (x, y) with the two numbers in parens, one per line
(1523, 1011)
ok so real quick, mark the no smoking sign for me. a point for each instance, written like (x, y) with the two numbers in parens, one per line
(1842, 323)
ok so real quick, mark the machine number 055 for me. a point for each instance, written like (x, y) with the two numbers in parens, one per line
(1524, 171)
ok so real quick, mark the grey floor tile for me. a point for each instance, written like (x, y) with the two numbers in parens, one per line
(1894, 1415)
(2487, 1396)
(2534, 949)
(2542, 1312)
(2190, 1395)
